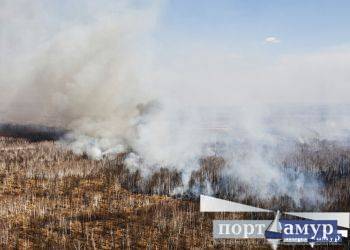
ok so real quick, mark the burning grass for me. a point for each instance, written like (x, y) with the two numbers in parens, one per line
(53, 199)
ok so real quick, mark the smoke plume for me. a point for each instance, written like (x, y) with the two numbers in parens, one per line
(102, 72)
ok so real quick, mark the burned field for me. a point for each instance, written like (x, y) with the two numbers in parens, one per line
(54, 199)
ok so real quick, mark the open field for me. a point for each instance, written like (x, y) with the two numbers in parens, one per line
(121, 120)
(51, 198)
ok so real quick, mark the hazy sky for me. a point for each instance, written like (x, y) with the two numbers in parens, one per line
(241, 25)
(270, 51)
(232, 51)
(300, 26)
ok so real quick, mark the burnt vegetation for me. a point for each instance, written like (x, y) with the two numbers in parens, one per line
(31, 132)
(53, 199)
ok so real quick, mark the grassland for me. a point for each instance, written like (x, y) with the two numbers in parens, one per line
(53, 199)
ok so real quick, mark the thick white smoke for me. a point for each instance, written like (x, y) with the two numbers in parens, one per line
(88, 76)
(97, 70)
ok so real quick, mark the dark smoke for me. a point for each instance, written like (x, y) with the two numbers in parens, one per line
(32, 133)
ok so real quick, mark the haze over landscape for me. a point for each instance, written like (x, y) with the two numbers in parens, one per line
(248, 91)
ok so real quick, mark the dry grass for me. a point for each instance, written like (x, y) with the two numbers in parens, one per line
(53, 199)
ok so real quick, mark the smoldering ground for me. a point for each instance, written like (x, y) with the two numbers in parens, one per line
(101, 72)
